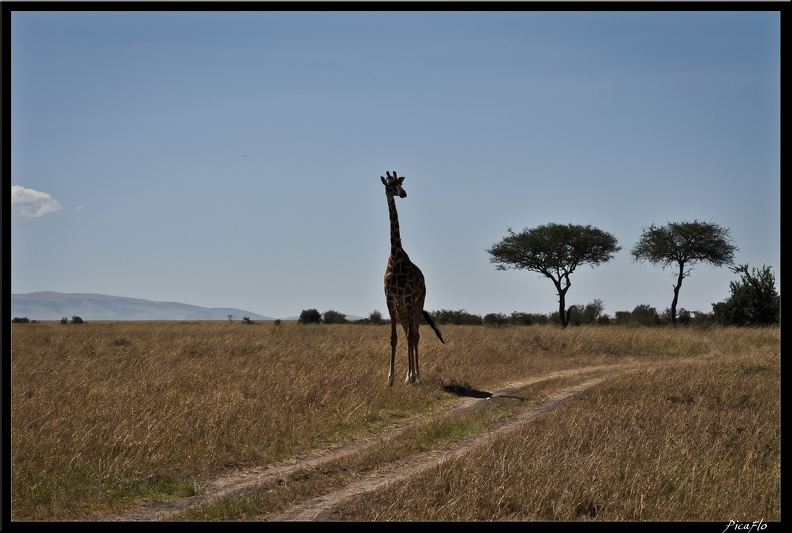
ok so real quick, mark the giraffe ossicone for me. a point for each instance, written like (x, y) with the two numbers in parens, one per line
(405, 288)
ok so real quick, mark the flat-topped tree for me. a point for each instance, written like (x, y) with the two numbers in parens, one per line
(555, 251)
(682, 245)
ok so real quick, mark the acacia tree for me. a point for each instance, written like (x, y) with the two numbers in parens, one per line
(683, 244)
(555, 251)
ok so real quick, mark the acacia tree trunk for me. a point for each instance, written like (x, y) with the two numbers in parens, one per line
(562, 314)
(676, 293)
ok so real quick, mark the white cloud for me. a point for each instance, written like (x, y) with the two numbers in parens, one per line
(32, 204)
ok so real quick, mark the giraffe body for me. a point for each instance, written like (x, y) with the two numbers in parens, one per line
(405, 289)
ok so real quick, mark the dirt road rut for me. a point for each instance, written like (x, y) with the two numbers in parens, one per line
(246, 480)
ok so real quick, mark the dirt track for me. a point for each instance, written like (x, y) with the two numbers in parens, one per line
(242, 481)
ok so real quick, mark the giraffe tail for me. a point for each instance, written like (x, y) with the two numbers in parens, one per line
(429, 321)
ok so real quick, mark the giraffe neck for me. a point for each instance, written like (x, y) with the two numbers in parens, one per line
(396, 244)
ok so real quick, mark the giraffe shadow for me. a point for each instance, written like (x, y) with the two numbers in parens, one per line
(466, 391)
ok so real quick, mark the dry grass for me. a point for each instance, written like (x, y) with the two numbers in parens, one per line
(106, 414)
(693, 442)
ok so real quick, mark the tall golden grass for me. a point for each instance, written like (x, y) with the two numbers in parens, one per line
(105, 414)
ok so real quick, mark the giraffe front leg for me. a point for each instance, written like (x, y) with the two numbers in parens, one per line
(394, 338)
(416, 371)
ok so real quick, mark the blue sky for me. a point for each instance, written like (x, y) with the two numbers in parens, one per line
(233, 159)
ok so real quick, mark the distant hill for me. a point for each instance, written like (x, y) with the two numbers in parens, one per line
(56, 305)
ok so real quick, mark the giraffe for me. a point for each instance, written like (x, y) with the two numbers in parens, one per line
(405, 289)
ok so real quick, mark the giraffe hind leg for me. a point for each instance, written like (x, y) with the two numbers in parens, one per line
(411, 364)
(416, 370)
(414, 374)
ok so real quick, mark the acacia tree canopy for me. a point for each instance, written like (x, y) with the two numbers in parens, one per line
(554, 248)
(685, 243)
(555, 251)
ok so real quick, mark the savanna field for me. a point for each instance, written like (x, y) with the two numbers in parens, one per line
(684, 425)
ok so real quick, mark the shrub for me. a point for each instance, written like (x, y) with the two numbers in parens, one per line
(334, 317)
(754, 300)
(310, 316)
(461, 317)
(375, 318)
(496, 319)
(645, 315)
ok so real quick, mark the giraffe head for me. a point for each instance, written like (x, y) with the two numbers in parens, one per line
(393, 185)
